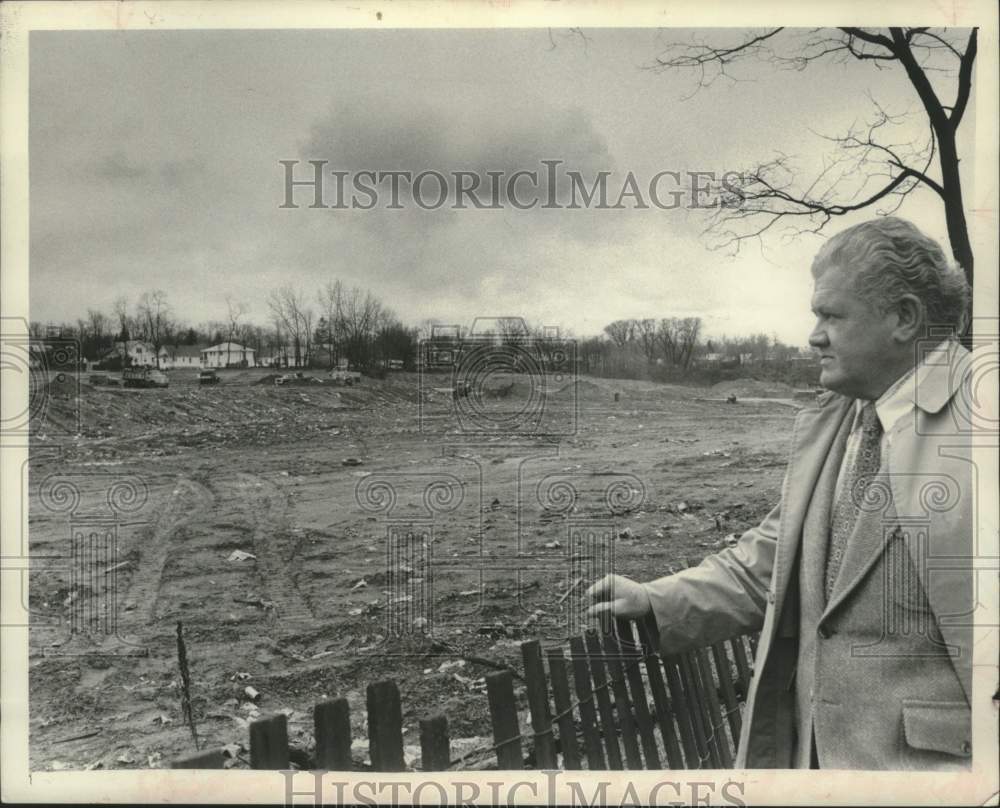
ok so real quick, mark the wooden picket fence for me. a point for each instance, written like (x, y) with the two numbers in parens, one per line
(632, 708)
(269, 748)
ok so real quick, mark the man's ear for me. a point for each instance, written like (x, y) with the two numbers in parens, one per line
(911, 314)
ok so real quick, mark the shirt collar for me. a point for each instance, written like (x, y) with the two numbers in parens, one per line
(901, 396)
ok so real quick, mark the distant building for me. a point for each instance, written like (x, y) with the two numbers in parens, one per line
(283, 356)
(138, 353)
(228, 354)
(184, 356)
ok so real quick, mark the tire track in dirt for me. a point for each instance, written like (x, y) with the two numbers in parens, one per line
(276, 546)
(188, 501)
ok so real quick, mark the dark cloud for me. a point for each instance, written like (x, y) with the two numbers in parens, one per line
(393, 133)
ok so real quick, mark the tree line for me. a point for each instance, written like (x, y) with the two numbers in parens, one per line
(338, 323)
(351, 323)
(674, 349)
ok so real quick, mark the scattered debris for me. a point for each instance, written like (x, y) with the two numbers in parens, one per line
(350, 461)
(251, 693)
(258, 602)
(532, 618)
(572, 586)
(233, 749)
(553, 545)
(120, 565)
(79, 737)
(241, 555)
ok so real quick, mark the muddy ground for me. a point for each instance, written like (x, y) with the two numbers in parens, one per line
(391, 534)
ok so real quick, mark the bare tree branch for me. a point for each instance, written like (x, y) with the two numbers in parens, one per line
(868, 168)
(965, 80)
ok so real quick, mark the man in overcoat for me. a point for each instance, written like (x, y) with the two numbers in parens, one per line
(857, 580)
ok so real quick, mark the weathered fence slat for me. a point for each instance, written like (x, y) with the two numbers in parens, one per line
(724, 667)
(208, 759)
(503, 712)
(558, 675)
(742, 664)
(683, 711)
(385, 727)
(585, 696)
(623, 704)
(604, 708)
(697, 711)
(632, 652)
(664, 716)
(332, 723)
(269, 743)
(630, 657)
(711, 744)
(717, 725)
(538, 702)
(435, 745)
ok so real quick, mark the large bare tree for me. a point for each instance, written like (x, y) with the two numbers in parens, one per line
(621, 332)
(291, 315)
(331, 301)
(155, 320)
(867, 169)
(235, 309)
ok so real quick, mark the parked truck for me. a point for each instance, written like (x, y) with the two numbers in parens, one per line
(144, 377)
(342, 376)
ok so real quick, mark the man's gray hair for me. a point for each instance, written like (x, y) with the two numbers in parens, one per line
(889, 257)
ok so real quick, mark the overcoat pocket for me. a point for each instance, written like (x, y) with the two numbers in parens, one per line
(938, 726)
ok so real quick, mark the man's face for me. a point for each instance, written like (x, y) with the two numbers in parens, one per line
(858, 356)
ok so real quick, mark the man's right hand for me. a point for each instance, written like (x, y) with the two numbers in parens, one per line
(618, 596)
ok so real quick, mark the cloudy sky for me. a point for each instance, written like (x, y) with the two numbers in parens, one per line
(154, 160)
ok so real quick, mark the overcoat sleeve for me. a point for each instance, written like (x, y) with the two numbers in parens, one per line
(723, 596)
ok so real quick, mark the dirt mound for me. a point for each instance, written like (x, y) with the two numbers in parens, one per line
(513, 388)
(268, 379)
(582, 391)
(753, 388)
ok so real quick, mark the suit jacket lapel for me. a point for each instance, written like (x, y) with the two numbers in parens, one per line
(816, 528)
(813, 435)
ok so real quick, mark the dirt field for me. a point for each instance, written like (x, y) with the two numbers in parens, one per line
(315, 482)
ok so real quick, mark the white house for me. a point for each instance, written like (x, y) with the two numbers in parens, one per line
(228, 354)
(184, 356)
(140, 353)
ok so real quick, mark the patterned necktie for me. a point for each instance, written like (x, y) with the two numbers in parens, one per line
(852, 492)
